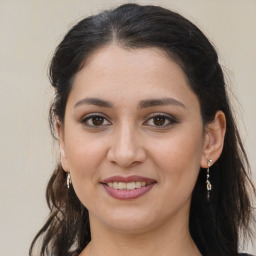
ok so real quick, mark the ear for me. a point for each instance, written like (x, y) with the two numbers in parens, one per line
(214, 139)
(63, 156)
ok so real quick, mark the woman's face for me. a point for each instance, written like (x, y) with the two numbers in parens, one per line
(133, 139)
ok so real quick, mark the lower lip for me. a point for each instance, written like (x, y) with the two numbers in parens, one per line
(127, 194)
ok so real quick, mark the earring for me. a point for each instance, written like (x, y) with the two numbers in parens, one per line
(208, 183)
(69, 182)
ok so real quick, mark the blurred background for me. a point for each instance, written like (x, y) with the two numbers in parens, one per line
(29, 32)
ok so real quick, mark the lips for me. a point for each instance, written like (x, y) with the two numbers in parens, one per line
(128, 179)
(130, 187)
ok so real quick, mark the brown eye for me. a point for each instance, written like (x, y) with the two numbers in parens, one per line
(159, 120)
(95, 121)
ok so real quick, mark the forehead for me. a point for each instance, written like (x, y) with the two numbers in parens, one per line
(112, 60)
(130, 73)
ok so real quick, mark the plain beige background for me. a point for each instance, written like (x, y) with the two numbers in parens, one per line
(29, 33)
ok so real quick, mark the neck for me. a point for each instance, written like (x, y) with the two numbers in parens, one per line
(166, 240)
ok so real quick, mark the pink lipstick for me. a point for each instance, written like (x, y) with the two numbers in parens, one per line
(130, 187)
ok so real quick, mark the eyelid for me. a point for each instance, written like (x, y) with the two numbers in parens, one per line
(172, 120)
(91, 115)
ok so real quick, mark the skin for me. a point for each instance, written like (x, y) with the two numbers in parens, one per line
(129, 140)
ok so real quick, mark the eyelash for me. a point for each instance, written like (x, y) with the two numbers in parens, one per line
(170, 119)
(90, 117)
(166, 118)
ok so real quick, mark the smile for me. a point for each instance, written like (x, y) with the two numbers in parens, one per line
(127, 187)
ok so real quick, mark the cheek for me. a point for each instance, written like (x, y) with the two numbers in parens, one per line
(84, 154)
(178, 160)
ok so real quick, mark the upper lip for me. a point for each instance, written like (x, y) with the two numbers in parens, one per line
(128, 179)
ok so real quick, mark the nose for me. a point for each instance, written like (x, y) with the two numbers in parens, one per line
(126, 148)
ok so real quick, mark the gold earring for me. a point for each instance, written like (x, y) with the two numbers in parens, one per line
(69, 182)
(208, 183)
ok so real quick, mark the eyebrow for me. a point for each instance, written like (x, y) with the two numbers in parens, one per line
(143, 104)
(94, 101)
(160, 102)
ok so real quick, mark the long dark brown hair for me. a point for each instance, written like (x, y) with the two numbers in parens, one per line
(215, 226)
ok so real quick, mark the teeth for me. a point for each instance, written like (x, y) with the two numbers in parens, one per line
(138, 184)
(115, 185)
(121, 185)
(131, 185)
(127, 186)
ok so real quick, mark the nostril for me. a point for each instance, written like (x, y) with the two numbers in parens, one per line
(126, 149)
(123, 157)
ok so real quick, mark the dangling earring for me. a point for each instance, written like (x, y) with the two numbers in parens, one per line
(208, 183)
(68, 180)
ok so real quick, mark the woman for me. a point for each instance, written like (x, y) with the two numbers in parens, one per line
(151, 159)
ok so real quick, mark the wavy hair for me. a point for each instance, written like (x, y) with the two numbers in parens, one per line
(215, 226)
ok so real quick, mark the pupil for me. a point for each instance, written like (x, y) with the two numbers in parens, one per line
(97, 120)
(159, 120)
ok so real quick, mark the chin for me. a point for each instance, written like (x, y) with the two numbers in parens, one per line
(126, 221)
(131, 227)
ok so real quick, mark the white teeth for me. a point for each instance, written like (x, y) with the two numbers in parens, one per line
(138, 184)
(121, 185)
(115, 185)
(131, 185)
(127, 186)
